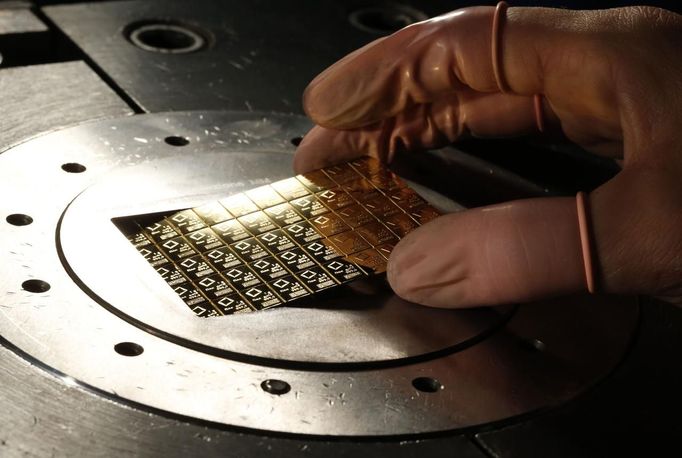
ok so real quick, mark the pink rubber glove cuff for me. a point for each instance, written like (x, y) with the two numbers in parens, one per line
(499, 17)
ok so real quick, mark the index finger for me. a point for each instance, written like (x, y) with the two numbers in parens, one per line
(544, 51)
(423, 127)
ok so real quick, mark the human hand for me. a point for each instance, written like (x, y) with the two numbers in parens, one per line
(612, 82)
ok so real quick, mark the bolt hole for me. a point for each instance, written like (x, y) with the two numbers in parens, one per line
(385, 20)
(19, 219)
(533, 345)
(276, 387)
(296, 141)
(36, 286)
(174, 140)
(128, 349)
(165, 37)
(427, 384)
(73, 167)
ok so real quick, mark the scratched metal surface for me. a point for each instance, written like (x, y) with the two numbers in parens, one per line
(42, 98)
(263, 53)
(44, 416)
(19, 20)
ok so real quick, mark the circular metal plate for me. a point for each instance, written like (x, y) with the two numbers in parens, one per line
(357, 325)
(214, 369)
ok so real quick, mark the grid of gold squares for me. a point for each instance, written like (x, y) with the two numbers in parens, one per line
(283, 241)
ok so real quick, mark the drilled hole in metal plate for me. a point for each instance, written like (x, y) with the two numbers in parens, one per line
(19, 219)
(427, 384)
(73, 167)
(277, 387)
(533, 345)
(296, 141)
(384, 20)
(165, 37)
(175, 140)
(128, 349)
(36, 286)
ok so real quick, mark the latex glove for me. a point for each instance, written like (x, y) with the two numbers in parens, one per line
(613, 84)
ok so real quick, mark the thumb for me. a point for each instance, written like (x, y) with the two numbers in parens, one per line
(511, 252)
(530, 249)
